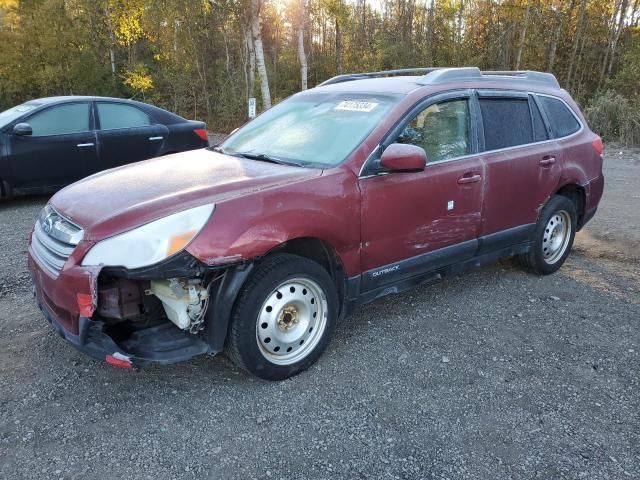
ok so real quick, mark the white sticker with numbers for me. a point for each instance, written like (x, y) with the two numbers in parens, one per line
(356, 106)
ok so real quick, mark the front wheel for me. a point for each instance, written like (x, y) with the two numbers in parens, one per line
(553, 237)
(284, 317)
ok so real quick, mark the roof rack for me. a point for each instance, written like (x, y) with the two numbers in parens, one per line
(436, 76)
(359, 76)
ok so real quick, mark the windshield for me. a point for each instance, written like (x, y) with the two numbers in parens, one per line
(10, 115)
(317, 129)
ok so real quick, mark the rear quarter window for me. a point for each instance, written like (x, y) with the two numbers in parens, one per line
(563, 122)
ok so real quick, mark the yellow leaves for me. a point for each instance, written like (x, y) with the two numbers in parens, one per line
(138, 79)
(126, 17)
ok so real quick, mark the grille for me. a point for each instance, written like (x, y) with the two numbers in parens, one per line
(54, 239)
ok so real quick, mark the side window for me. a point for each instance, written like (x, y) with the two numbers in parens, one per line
(442, 129)
(539, 129)
(563, 122)
(507, 122)
(60, 120)
(117, 115)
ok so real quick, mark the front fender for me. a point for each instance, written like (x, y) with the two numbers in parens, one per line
(326, 207)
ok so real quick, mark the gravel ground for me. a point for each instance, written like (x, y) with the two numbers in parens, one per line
(493, 374)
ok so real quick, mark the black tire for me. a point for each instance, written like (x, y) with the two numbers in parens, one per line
(534, 260)
(243, 347)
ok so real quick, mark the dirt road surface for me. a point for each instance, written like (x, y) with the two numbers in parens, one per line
(493, 374)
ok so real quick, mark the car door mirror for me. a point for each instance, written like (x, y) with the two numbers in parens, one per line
(22, 129)
(399, 157)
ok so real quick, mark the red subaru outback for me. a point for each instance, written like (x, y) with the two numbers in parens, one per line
(366, 185)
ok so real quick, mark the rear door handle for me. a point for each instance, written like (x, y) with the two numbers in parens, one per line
(82, 145)
(547, 160)
(155, 139)
(469, 178)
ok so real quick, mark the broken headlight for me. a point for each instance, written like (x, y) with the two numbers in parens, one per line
(150, 243)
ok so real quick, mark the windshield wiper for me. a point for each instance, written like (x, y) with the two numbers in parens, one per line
(262, 157)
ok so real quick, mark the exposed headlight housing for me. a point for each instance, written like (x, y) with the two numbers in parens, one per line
(150, 243)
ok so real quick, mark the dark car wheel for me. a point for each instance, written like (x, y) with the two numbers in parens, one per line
(553, 237)
(284, 317)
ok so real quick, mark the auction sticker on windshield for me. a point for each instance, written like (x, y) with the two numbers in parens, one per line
(356, 106)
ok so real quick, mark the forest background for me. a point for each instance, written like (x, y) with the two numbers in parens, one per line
(204, 58)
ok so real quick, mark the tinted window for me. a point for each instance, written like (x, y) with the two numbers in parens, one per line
(562, 121)
(539, 130)
(441, 129)
(60, 120)
(507, 122)
(115, 115)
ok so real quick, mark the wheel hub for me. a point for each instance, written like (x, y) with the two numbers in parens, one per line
(556, 237)
(291, 321)
(288, 318)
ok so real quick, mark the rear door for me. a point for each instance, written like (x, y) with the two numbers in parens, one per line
(61, 150)
(416, 222)
(127, 134)
(522, 166)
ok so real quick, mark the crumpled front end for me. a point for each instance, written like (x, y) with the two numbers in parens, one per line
(125, 317)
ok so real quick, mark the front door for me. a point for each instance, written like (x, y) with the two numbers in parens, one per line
(61, 149)
(416, 222)
(127, 134)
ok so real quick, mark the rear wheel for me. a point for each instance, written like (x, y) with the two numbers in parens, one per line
(284, 317)
(553, 237)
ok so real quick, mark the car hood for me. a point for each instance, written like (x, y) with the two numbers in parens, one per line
(123, 198)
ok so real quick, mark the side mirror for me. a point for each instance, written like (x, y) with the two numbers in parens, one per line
(22, 129)
(399, 157)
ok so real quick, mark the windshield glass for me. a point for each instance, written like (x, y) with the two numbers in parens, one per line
(312, 129)
(10, 115)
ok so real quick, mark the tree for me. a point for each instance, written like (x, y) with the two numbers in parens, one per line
(256, 22)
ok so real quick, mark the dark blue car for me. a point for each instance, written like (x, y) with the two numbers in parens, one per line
(48, 143)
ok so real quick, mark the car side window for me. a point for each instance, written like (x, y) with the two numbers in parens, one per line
(563, 122)
(60, 120)
(441, 129)
(118, 115)
(507, 122)
(539, 129)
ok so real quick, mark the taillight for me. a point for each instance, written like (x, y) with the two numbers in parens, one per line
(202, 133)
(598, 146)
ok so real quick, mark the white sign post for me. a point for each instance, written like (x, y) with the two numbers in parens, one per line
(252, 107)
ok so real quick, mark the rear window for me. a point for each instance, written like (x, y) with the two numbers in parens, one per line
(563, 122)
(117, 115)
(507, 122)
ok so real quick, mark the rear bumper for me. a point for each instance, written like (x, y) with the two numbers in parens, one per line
(593, 194)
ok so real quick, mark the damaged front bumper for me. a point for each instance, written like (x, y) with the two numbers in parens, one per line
(70, 302)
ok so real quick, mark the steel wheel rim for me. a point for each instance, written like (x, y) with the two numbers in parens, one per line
(555, 238)
(291, 321)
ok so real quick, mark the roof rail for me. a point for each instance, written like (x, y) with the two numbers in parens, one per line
(473, 73)
(359, 76)
(435, 76)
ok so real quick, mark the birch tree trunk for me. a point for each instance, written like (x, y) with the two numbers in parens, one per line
(560, 17)
(338, 46)
(259, 53)
(430, 28)
(578, 40)
(251, 54)
(523, 35)
(302, 56)
(623, 12)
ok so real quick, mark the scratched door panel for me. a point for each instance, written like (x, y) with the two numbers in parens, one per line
(409, 214)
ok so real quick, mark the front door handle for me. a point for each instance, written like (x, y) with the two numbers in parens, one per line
(155, 139)
(469, 178)
(547, 161)
(83, 145)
